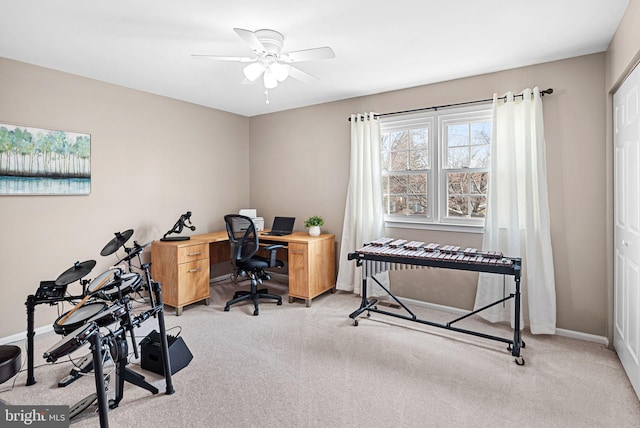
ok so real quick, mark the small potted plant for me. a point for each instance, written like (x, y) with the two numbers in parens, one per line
(314, 223)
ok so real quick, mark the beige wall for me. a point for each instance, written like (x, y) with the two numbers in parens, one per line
(152, 159)
(313, 177)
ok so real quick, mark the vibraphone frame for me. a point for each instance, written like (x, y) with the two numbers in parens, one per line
(513, 269)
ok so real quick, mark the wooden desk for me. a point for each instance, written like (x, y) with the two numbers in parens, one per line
(183, 267)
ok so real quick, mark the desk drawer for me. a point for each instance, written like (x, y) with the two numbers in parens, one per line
(193, 252)
(193, 278)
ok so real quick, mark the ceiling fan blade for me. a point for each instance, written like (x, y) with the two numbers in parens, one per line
(250, 39)
(302, 76)
(224, 58)
(308, 54)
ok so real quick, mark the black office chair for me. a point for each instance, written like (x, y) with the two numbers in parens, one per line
(244, 246)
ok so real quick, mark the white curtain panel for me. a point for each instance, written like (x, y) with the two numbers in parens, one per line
(517, 220)
(363, 217)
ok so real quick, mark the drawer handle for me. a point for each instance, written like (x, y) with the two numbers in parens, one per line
(194, 254)
(195, 270)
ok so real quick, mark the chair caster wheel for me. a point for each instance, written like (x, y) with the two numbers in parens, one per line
(279, 302)
(226, 308)
(255, 313)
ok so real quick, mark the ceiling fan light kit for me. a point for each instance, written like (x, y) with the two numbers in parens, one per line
(270, 62)
(253, 71)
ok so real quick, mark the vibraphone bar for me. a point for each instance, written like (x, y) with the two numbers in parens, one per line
(385, 254)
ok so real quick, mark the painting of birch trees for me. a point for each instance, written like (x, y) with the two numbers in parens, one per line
(41, 161)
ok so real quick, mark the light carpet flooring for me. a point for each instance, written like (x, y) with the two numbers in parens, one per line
(294, 366)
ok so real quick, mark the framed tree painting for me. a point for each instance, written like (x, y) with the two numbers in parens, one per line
(36, 161)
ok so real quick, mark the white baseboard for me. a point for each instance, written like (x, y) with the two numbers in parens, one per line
(23, 336)
(583, 336)
(559, 331)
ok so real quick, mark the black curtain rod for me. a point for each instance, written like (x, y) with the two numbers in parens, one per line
(504, 98)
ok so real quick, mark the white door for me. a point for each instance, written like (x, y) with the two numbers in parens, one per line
(626, 327)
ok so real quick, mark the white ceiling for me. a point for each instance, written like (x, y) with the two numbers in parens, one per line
(380, 46)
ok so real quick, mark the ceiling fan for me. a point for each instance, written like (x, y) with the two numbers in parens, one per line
(269, 61)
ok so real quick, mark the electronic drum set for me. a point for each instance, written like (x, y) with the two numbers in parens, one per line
(102, 317)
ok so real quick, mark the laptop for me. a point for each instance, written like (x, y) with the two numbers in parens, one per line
(281, 226)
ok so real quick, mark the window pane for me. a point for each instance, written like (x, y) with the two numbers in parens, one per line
(478, 206)
(384, 161)
(418, 184)
(399, 161)
(458, 183)
(384, 142)
(458, 157)
(419, 159)
(480, 157)
(417, 204)
(394, 204)
(419, 139)
(398, 184)
(458, 206)
(481, 132)
(479, 182)
(458, 135)
(399, 140)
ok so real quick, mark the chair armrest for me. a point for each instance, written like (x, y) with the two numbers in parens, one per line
(273, 250)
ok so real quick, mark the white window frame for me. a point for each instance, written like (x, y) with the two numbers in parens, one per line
(437, 205)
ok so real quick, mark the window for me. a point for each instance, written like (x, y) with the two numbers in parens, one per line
(435, 166)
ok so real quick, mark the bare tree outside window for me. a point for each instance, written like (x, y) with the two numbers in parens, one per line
(405, 159)
(468, 149)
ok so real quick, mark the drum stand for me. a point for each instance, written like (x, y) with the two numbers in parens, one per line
(119, 351)
(32, 301)
(155, 300)
(96, 348)
(120, 348)
(155, 290)
(101, 393)
(127, 320)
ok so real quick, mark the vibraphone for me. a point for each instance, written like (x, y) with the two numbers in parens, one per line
(386, 254)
